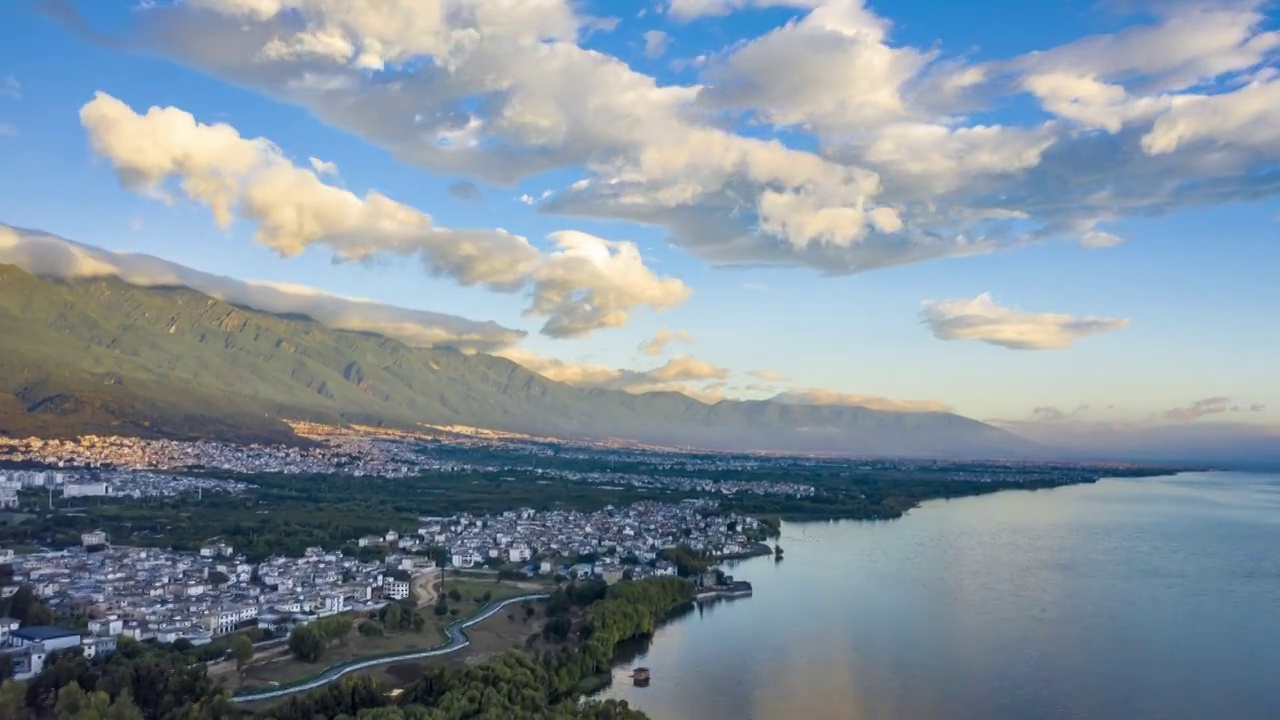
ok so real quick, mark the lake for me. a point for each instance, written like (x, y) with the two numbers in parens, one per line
(1152, 598)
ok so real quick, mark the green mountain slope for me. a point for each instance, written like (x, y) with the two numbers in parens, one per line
(102, 356)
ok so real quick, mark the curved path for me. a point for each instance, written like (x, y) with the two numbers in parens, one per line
(457, 640)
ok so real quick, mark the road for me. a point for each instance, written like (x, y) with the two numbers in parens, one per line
(458, 639)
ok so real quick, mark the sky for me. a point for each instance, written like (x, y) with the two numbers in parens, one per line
(1058, 217)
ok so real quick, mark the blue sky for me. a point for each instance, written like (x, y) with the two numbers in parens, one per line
(1114, 144)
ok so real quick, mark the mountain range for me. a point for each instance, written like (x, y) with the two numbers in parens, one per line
(100, 355)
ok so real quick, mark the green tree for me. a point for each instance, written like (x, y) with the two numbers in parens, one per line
(13, 701)
(242, 651)
(393, 616)
(307, 643)
(455, 595)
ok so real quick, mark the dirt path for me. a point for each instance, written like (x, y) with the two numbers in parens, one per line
(424, 588)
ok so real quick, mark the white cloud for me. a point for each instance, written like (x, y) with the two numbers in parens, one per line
(591, 283)
(693, 9)
(1190, 44)
(661, 339)
(10, 88)
(832, 70)
(323, 168)
(1169, 112)
(1247, 118)
(588, 284)
(684, 374)
(656, 43)
(51, 256)
(1098, 239)
(982, 319)
(815, 396)
(769, 375)
(8, 130)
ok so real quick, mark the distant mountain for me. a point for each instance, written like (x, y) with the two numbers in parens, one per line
(102, 356)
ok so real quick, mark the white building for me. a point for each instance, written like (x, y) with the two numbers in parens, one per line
(332, 605)
(112, 625)
(226, 619)
(395, 589)
(6, 556)
(9, 500)
(466, 559)
(97, 489)
(97, 537)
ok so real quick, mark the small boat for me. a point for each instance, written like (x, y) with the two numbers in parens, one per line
(640, 676)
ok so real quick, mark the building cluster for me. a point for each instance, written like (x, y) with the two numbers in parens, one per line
(346, 453)
(70, 484)
(165, 595)
(162, 595)
(702, 486)
(607, 543)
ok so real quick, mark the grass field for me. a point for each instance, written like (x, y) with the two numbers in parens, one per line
(504, 631)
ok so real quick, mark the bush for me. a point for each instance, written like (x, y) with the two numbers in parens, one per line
(442, 609)
(371, 628)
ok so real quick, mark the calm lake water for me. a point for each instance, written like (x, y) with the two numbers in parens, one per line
(1129, 599)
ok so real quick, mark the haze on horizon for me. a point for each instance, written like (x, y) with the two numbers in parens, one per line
(1059, 220)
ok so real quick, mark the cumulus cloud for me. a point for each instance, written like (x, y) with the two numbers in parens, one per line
(769, 375)
(685, 374)
(588, 284)
(51, 256)
(815, 396)
(661, 339)
(1175, 109)
(591, 283)
(984, 320)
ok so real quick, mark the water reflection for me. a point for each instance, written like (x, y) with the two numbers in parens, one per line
(1130, 600)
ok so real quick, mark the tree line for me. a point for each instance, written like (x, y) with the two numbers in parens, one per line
(516, 684)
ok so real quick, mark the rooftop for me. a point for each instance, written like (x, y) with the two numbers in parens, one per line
(38, 633)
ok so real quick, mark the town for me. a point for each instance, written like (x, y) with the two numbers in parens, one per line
(109, 483)
(167, 596)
